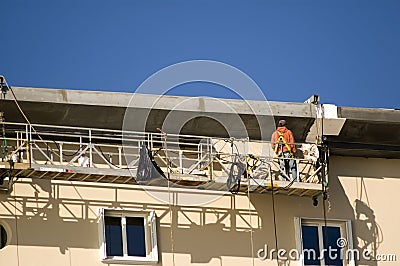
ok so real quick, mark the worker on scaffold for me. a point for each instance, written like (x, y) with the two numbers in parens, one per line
(282, 141)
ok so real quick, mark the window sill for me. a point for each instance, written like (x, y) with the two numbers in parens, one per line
(129, 260)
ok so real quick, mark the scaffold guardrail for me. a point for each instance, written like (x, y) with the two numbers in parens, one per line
(105, 155)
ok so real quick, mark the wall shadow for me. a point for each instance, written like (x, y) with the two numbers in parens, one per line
(367, 233)
(49, 217)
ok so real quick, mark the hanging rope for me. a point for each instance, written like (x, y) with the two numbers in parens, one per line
(251, 226)
(235, 174)
(16, 220)
(171, 218)
(324, 164)
(169, 199)
(274, 215)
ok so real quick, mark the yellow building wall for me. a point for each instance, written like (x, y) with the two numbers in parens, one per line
(56, 222)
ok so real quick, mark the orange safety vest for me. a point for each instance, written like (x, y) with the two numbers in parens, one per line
(281, 140)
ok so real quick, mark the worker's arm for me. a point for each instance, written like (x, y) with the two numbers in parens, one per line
(273, 140)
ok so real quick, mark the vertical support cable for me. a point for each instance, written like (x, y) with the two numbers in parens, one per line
(324, 193)
(251, 226)
(274, 215)
(246, 149)
(164, 135)
(16, 220)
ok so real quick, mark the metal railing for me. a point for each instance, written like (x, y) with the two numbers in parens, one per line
(188, 155)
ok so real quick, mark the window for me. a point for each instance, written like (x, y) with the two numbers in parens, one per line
(128, 236)
(3, 236)
(325, 245)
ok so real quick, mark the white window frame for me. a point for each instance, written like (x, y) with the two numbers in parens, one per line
(346, 232)
(150, 236)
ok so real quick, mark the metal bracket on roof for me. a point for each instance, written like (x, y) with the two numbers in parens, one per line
(3, 86)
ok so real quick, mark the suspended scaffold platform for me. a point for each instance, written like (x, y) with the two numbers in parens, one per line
(156, 159)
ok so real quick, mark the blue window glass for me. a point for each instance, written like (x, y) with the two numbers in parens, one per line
(310, 244)
(136, 236)
(113, 232)
(331, 235)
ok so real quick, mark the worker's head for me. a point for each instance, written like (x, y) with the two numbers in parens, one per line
(282, 123)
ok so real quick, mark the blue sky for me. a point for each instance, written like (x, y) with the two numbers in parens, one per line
(348, 52)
